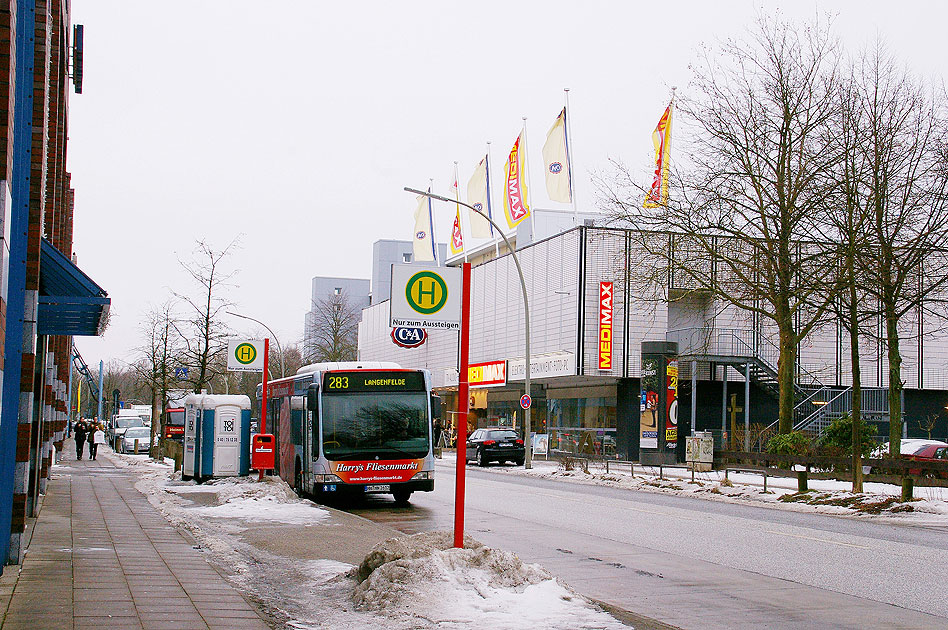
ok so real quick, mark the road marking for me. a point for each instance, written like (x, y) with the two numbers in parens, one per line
(826, 540)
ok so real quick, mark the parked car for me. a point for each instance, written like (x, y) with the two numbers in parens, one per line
(495, 444)
(142, 434)
(909, 446)
(929, 453)
(120, 424)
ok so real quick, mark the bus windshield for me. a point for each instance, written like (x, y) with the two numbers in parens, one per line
(364, 425)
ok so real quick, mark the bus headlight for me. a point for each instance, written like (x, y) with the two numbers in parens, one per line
(422, 475)
(327, 479)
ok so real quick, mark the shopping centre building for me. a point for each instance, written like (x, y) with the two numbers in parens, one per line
(583, 290)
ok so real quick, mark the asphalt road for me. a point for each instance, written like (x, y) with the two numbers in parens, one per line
(695, 563)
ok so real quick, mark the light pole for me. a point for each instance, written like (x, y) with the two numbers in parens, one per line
(528, 446)
(279, 347)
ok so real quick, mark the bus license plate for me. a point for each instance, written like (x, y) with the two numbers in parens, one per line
(378, 488)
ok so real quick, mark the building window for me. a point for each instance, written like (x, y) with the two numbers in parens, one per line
(337, 290)
(406, 258)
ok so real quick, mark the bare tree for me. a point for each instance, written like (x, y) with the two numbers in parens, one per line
(203, 331)
(332, 335)
(848, 216)
(905, 263)
(748, 206)
(158, 355)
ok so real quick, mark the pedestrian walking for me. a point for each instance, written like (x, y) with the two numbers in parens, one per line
(80, 432)
(98, 437)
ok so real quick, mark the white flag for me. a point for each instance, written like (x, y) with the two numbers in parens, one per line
(424, 238)
(556, 161)
(478, 195)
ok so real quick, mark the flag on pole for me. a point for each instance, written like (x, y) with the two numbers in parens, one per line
(556, 162)
(515, 187)
(478, 195)
(457, 237)
(423, 243)
(661, 138)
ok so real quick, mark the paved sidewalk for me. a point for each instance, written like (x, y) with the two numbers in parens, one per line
(102, 557)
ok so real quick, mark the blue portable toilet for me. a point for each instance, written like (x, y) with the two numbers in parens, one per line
(216, 436)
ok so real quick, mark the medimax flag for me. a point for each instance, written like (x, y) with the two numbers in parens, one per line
(515, 187)
(661, 138)
(478, 195)
(556, 161)
(457, 239)
(423, 241)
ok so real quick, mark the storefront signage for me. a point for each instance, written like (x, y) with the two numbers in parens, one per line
(671, 403)
(605, 325)
(406, 337)
(648, 409)
(543, 366)
(426, 296)
(489, 374)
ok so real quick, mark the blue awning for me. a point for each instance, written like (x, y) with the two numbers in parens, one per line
(70, 302)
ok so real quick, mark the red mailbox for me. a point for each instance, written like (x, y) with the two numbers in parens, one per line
(262, 452)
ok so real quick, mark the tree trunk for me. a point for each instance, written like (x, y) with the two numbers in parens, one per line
(785, 373)
(856, 412)
(895, 381)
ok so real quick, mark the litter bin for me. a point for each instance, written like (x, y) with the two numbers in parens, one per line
(216, 436)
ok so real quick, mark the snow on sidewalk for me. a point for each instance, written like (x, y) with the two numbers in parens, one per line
(406, 583)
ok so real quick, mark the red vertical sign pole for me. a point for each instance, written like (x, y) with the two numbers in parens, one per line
(263, 401)
(463, 403)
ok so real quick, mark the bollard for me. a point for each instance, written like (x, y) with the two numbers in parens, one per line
(801, 481)
(136, 446)
(177, 461)
(908, 485)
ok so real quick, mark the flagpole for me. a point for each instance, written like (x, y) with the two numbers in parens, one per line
(526, 178)
(489, 213)
(569, 157)
(434, 241)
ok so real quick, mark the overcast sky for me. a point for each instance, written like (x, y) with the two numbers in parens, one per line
(294, 125)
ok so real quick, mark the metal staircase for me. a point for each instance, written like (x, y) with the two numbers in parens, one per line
(816, 404)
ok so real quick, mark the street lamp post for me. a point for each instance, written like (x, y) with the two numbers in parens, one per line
(528, 446)
(279, 347)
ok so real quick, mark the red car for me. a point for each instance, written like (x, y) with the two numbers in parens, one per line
(930, 453)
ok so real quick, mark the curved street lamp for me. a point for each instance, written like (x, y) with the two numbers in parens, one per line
(528, 446)
(279, 347)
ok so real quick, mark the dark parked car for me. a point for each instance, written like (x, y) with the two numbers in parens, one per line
(495, 444)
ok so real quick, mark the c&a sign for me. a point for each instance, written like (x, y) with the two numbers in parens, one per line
(605, 325)
(409, 337)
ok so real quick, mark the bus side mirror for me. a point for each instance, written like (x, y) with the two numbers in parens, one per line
(312, 396)
(435, 407)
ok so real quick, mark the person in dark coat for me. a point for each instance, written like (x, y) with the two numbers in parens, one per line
(80, 432)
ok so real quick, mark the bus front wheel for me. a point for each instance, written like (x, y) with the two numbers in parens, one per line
(401, 496)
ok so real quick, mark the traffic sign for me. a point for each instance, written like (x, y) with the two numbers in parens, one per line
(426, 296)
(245, 355)
(526, 401)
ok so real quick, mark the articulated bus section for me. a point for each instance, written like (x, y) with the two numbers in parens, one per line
(353, 429)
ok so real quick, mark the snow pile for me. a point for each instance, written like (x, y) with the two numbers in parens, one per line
(421, 580)
(245, 498)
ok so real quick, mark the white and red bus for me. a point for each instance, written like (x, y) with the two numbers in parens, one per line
(352, 428)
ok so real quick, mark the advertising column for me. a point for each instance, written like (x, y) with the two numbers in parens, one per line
(658, 407)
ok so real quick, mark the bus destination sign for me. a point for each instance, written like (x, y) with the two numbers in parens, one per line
(346, 382)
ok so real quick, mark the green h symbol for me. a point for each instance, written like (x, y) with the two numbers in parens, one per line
(430, 292)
